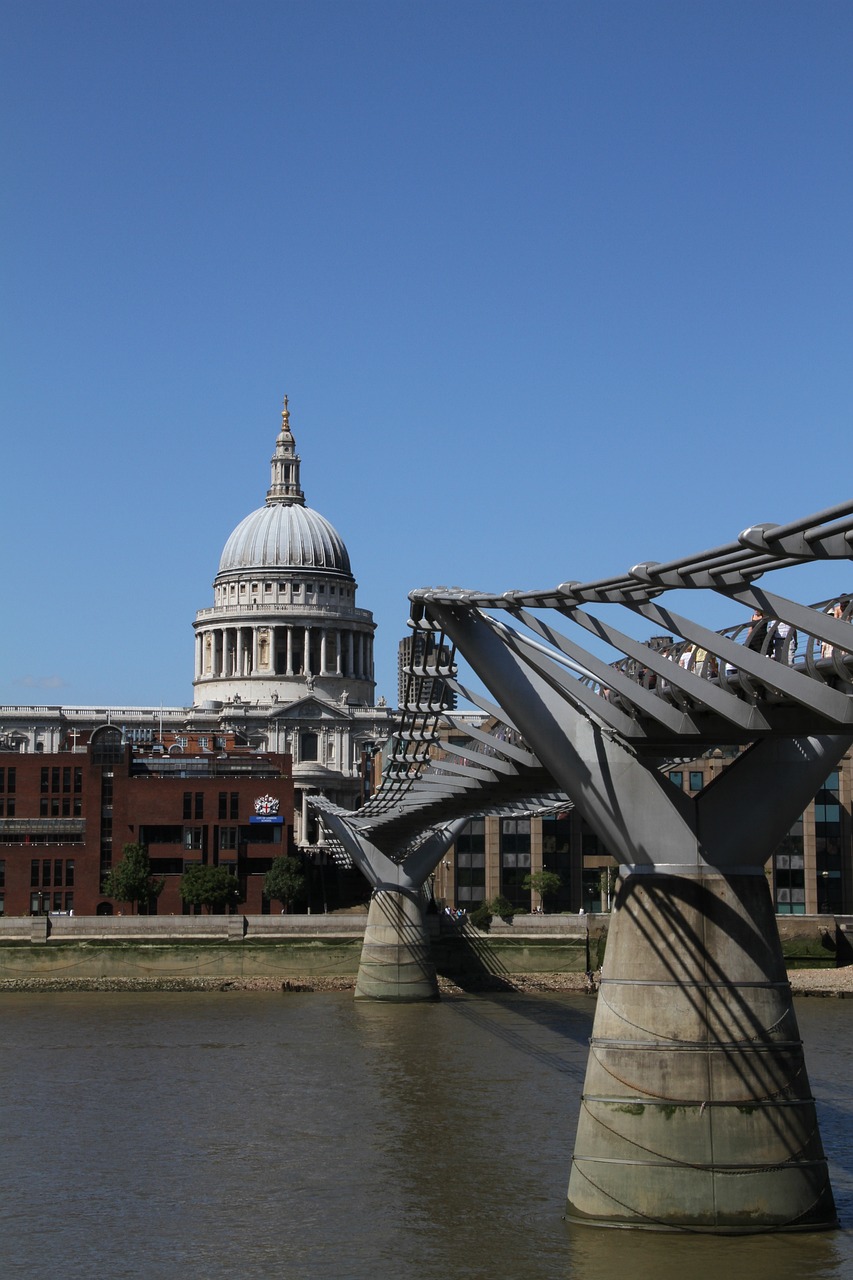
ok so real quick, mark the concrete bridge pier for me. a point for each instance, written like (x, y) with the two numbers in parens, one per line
(696, 1111)
(396, 959)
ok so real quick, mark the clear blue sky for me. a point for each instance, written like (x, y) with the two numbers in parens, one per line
(552, 287)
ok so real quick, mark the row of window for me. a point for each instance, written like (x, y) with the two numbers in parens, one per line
(51, 871)
(60, 807)
(56, 778)
(295, 589)
(8, 779)
(43, 903)
(229, 805)
(695, 779)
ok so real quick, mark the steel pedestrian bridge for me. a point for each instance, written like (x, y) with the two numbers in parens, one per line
(697, 1113)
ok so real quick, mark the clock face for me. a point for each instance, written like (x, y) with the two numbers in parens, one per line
(266, 805)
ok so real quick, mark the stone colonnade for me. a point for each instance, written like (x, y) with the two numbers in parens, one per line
(284, 650)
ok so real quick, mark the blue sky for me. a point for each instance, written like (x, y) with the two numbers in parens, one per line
(553, 288)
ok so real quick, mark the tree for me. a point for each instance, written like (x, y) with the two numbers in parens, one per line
(130, 880)
(545, 883)
(211, 887)
(284, 881)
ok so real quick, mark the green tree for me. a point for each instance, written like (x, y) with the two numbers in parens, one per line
(545, 883)
(213, 887)
(130, 880)
(285, 882)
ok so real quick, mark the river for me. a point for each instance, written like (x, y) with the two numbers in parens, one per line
(251, 1135)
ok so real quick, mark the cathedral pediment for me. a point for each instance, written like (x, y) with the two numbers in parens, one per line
(312, 708)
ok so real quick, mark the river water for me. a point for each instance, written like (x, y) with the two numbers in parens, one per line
(248, 1135)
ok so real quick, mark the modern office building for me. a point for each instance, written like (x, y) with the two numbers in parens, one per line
(811, 873)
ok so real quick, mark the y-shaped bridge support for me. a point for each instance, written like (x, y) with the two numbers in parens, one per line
(396, 959)
(697, 1113)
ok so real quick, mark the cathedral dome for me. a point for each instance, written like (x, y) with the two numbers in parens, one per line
(285, 536)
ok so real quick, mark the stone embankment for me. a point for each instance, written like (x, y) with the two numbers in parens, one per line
(836, 983)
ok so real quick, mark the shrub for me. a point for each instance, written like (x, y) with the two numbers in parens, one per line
(481, 917)
(501, 906)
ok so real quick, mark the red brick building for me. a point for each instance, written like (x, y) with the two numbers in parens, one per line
(65, 818)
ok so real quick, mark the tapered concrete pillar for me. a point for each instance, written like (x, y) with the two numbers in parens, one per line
(697, 1113)
(396, 959)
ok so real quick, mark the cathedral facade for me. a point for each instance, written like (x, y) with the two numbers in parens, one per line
(283, 687)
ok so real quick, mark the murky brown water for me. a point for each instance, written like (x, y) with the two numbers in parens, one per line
(256, 1135)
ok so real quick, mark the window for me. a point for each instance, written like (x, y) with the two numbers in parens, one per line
(515, 859)
(228, 837)
(199, 806)
(223, 804)
(193, 837)
(234, 808)
(696, 780)
(45, 873)
(69, 873)
(35, 867)
(45, 774)
(2, 873)
(471, 863)
(676, 777)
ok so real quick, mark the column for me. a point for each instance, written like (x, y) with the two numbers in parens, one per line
(289, 634)
(238, 658)
(306, 653)
(338, 653)
(323, 641)
(350, 663)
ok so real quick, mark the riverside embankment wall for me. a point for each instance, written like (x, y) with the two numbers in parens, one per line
(329, 946)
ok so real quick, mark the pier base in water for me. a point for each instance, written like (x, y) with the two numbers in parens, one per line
(697, 1113)
(396, 959)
